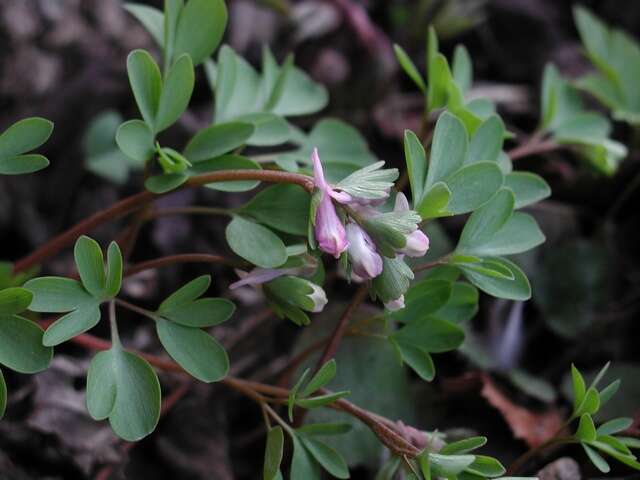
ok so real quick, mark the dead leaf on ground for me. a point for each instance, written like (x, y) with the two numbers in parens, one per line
(533, 427)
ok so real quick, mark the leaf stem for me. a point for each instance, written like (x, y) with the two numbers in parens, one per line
(115, 336)
(134, 308)
(181, 258)
(385, 429)
(533, 146)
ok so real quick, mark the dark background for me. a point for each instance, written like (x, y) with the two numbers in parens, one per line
(65, 60)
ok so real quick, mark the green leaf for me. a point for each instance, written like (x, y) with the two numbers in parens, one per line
(3, 395)
(462, 69)
(185, 294)
(82, 319)
(430, 334)
(273, 453)
(176, 92)
(600, 375)
(172, 9)
(321, 400)
(283, 207)
(57, 294)
(293, 393)
(579, 387)
(151, 18)
(519, 234)
(423, 299)
(146, 84)
(416, 159)
(472, 186)
(200, 28)
(114, 270)
(321, 378)
(24, 136)
(447, 465)
(124, 388)
(324, 429)
(630, 442)
(135, 139)
(14, 300)
(462, 304)
(255, 243)
(90, 265)
(217, 140)
(303, 95)
(448, 150)
(21, 347)
(486, 467)
(614, 426)
(527, 187)
(205, 312)
(515, 288)
(609, 391)
(22, 164)
(409, 67)
(435, 201)
(590, 403)
(486, 222)
(463, 446)
(195, 350)
(586, 429)
(303, 466)
(486, 143)
(418, 359)
(597, 459)
(229, 162)
(326, 456)
(269, 129)
(165, 183)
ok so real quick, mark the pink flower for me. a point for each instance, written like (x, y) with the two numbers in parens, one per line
(365, 260)
(329, 230)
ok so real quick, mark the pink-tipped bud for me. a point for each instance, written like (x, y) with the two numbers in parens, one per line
(417, 244)
(329, 230)
(394, 305)
(365, 260)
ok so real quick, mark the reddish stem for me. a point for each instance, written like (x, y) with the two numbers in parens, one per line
(180, 258)
(134, 202)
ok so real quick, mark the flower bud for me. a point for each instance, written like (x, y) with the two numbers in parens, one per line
(417, 244)
(394, 305)
(329, 230)
(318, 297)
(365, 260)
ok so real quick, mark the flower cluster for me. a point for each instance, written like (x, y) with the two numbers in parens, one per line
(366, 235)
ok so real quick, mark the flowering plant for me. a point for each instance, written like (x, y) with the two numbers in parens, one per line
(333, 209)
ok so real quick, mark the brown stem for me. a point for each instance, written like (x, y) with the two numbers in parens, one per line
(517, 465)
(426, 266)
(532, 147)
(134, 202)
(382, 427)
(334, 342)
(180, 258)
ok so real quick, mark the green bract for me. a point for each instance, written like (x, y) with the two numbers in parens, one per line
(81, 298)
